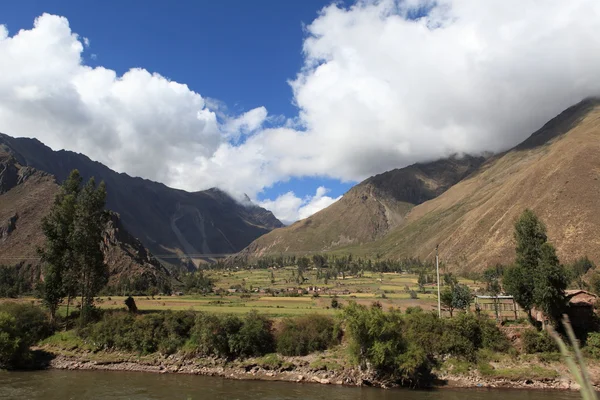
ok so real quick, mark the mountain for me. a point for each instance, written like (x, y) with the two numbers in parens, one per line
(369, 210)
(168, 221)
(26, 196)
(555, 172)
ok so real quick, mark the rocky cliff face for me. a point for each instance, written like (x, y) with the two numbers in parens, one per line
(170, 222)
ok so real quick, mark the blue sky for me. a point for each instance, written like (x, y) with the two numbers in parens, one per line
(290, 102)
(255, 47)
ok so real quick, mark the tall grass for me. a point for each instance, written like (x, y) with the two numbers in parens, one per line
(575, 360)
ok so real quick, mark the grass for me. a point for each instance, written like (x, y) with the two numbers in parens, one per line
(389, 289)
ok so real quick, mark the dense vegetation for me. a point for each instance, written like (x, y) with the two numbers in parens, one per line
(405, 347)
(21, 325)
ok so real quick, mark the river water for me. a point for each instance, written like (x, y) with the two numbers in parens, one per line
(100, 385)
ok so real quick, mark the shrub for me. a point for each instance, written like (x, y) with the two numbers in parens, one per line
(10, 341)
(114, 331)
(254, 337)
(303, 335)
(592, 346)
(30, 321)
(377, 341)
(210, 334)
(21, 325)
(165, 332)
(538, 342)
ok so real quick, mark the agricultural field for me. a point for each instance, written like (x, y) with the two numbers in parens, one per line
(389, 289)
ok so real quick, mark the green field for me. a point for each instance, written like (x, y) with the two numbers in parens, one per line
(389, 289)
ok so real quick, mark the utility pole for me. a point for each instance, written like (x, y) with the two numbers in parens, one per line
(437, 268)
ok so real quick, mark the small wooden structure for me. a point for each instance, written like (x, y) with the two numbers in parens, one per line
(581, 310)
(502, 307)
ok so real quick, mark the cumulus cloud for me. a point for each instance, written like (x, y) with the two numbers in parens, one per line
(378, 90)
(289, 208)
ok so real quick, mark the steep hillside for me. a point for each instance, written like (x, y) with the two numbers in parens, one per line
(369, 210)
(555, 172)
(169, 222)
(26, 196)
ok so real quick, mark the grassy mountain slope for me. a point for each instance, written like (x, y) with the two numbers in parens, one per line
(369, 210)
(168, 221)
(26, 196)
(555, 172)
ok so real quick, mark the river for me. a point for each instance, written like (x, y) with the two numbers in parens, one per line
(100, 385)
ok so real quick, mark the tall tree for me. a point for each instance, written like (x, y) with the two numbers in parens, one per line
(537, 278)
(57, 253)
(72, 255)
(550, 281)
(530, 235)
(90, 221)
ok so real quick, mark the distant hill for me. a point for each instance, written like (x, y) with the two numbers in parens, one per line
(26, 196)
(168, 221)
(369, 210)
(555, 172)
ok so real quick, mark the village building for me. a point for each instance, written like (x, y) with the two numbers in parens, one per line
(581, 310)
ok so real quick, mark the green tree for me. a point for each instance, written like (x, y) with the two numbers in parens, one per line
(537, 278)
(456, 297)
(530, 235)
(579, 269)
(89, 224)
(72, 254)
(58, 253)
(461, 297)
(491, 277)
(446, 299)
(550, 283)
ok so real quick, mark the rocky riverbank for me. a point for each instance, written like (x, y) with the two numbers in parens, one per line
(308, 369)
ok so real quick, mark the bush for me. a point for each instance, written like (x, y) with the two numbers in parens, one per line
(10, 341)
(377, 341)
(538, 342)
(254, 338)
(21, 325)
(164, 332)
(303, 335)
(592, 345)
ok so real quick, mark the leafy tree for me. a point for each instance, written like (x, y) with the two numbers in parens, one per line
(450, 279)
(58, 253)
(456, 297)
(446, 299)
(530, 235)
(72, 255)
(579, 269)
(537, 278)
(491, 277)
(90, 221)
(461, 297)
(421, 281)
(550, 283)
(197, 282)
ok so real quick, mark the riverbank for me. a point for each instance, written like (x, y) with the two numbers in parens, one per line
(321, 368)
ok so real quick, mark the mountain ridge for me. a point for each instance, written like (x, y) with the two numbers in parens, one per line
(472, 219)
(170, 222)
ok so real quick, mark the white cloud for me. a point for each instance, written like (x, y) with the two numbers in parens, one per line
(376, 91)
(289, 208)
